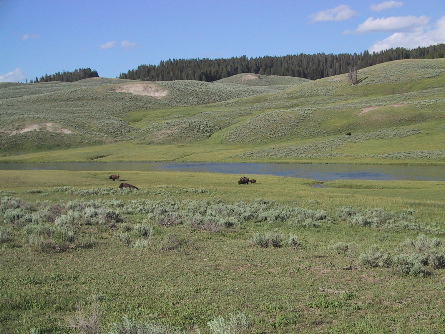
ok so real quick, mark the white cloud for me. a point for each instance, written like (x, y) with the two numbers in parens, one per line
(413, 39)
(339, 13)
(386, 5)
(393, 24)
(128, 45)
(26, 37)
(107, 45)
(124, 44)
(438, 32)
(14, 76)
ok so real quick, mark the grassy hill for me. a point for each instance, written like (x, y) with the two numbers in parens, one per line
(198, 253)
(394, 115)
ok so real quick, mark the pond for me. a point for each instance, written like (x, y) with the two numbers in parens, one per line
(320, 172)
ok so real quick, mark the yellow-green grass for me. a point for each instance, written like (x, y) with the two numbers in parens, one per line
(391, 195)
(315, 287)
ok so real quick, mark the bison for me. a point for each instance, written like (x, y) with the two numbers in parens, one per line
(114, 177)
(243, 180)
(252, 181)
(127, 185)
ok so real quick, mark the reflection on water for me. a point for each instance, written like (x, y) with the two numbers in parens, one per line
(321, 172)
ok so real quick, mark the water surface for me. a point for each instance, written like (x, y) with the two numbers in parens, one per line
(320, 172)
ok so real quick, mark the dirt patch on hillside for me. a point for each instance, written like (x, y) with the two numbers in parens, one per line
(247, 77)
(146, 89)
(50, 127)
(368, 109)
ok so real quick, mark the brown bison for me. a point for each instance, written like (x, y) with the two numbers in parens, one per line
(114, 177)
(243, 180)
(127, 185)
(252, 181)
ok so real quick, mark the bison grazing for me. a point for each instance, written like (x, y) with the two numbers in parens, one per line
(252, 181)
(243, 180)
(114, 177)
(127, 185)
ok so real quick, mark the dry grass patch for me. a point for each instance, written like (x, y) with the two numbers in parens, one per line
(368, 109)
(50, 127)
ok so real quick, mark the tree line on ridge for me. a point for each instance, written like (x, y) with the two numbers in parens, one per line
(76, 75)
(309, 66)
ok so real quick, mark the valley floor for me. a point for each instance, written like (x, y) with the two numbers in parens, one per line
(197, 251)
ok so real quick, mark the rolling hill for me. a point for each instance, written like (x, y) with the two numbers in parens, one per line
(395, 114)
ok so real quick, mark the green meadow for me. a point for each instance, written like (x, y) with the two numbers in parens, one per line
(199, 253)
(191, 250)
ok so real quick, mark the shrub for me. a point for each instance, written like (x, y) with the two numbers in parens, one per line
(371, 217)
(346, 212)
(14, 203)
(378, 217)
(144, 230)
(260, 240)
(5, 234)
(235, 323)
(141, 243)
(129, 326)
(293, 241)
(171, 242)
(409, 265)
(43, 229)
(101, 216)
(66, 234)
(374, 257)
(171, 218)
(46, 244)
(275, 239)
(87, 318)
(86, 241)
(71, 218)
(340, 247)
(270, 239)
(127, 227)
(415, 257)
(124, 237)
(428, 251)
(17, 216)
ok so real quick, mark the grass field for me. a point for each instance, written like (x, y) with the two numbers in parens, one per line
(196, 252)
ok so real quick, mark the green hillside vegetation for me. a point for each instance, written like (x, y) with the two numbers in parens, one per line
(91, 111)
(196, 252)
(394, 114)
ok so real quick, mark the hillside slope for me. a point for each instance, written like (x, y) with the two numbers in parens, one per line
(395, 114)
(54, 115)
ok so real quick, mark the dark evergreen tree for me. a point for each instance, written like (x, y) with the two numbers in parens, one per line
(313, 67)
(76, 75)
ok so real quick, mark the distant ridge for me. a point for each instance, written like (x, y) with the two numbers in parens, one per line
(315, 66)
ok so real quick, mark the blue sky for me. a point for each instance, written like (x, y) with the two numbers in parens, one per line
(39, 37)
